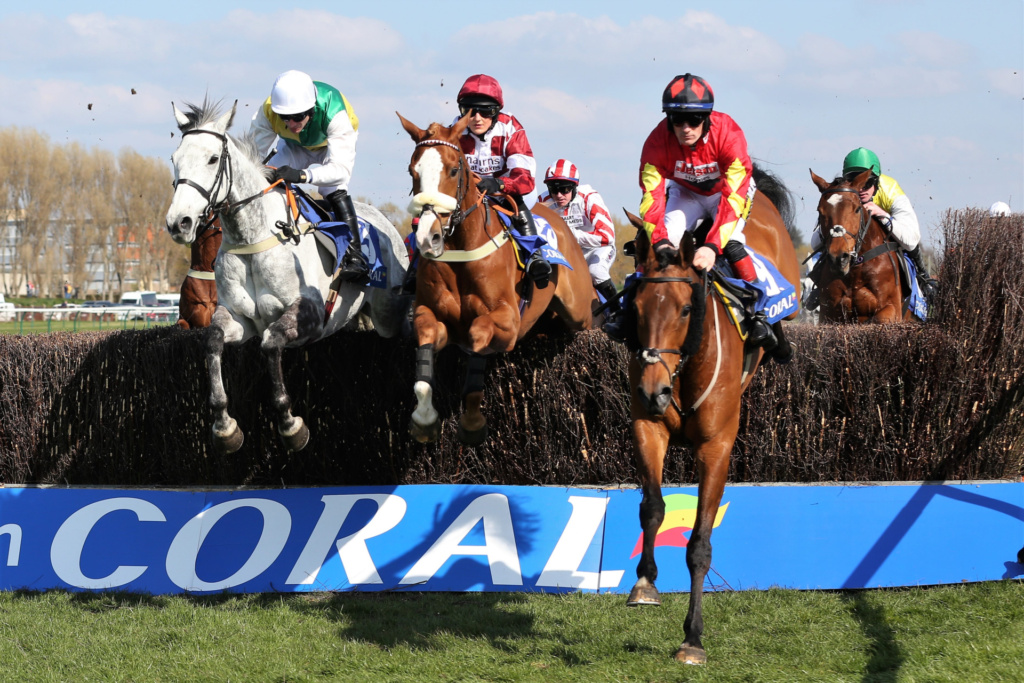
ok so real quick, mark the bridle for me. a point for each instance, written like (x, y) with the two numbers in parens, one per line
(839, 231)
(225, 172)
(699, 291)
(456, 216)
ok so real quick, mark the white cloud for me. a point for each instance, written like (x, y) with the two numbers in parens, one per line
(931, 49)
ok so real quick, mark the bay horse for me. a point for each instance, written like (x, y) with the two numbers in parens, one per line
(199, 289)
(686, 377)
(469, 290)
(273, 281)
(860, 277)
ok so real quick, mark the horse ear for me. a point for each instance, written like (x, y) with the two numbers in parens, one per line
(180, 118)
(414, 132)
(687, 248)
(634, 220)
(819, 181)
(460, 126)
(224, 122)
(862, 179)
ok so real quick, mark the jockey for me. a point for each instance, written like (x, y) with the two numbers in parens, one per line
(314, 125)
(884, 198)
(497, 150)
(585, 213)
(694, 165)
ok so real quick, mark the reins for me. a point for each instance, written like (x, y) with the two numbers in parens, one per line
(651, 355)
(457, 216)
(225, 169)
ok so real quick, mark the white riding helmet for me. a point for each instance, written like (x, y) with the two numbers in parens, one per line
(999, 209)
(293, 93)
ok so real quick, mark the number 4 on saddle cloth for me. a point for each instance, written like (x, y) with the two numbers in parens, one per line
(333, 237)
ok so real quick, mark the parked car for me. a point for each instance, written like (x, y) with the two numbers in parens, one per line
(98, 304)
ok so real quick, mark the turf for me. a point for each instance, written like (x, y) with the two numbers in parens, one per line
(955, 633)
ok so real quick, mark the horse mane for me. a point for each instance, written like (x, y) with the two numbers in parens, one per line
(772, 187)
(200, 115)
(208, 112)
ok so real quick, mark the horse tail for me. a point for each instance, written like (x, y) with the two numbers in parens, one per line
(772, 187)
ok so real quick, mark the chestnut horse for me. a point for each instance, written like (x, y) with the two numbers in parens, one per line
(199, 290)
(469, 290)
(686, 378)
(860, 277)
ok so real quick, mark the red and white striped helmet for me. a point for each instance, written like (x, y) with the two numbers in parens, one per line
(563, 169)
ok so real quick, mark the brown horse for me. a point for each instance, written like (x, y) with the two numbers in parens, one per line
(860, 278)
(199, 290)
(686, 379)
(469, 290)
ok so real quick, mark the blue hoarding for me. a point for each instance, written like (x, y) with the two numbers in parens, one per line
(501, 538)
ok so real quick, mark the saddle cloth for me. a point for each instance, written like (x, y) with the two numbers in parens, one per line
(771, 293)
(333, 237)
(546, 240)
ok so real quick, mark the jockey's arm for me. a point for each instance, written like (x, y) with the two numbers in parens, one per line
(602, 232)
(336, 168)
(904, 226)
(522, 167)
(263, 133)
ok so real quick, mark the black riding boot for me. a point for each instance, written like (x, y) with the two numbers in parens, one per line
(537, 267)
(611, 295)
(354, 266)
(927, 282)
(759, 332)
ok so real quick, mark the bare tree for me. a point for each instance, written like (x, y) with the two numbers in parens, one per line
(141, 196)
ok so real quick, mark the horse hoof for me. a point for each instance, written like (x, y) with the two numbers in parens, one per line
(229, 443)
(643, 595)
(298, 439)
(472, 437)
(688, 654)
(425, 433)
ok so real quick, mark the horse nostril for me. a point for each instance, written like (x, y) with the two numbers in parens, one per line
(185, 223)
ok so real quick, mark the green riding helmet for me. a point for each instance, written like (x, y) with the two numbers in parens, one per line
(862, 159)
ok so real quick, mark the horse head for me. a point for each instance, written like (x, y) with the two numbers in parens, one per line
(441, 183)
(842, 219)
(669, 305)
(202, 169)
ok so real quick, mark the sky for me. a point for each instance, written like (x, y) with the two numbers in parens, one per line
(934, 88)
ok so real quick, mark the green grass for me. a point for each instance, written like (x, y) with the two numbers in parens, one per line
(955, 633)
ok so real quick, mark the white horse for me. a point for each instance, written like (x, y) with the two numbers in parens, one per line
(267, 284)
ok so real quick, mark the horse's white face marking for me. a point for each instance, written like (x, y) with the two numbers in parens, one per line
(430, 167)
(834, 200)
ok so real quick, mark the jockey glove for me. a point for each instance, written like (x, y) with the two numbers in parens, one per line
(289, 174)
(490, 186)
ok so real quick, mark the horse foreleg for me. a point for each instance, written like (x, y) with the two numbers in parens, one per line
(299, 322)
(425, 424)
(227, 437)
(472, 423)
(712, 470)
(650, 442)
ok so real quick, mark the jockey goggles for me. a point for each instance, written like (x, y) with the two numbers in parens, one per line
(296, 118)
(693, 120)
(561, 188)
(488, 111)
